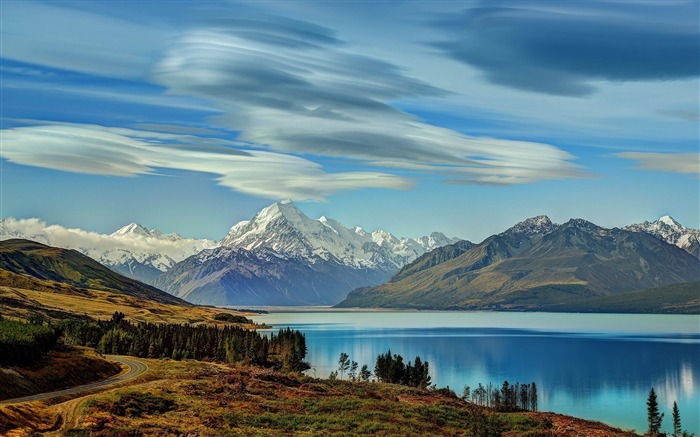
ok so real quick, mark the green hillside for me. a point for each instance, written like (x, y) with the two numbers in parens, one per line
(72, 267)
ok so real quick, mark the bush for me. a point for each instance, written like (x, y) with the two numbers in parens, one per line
(230, 318)
(140, 404)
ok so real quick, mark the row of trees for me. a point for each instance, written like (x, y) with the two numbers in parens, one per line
(509, 397)
(22, 343)
(231, 344)
(388, 368)
(655, 418)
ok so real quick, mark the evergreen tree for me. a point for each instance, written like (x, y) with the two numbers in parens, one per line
(653, 416)
(365, 374)
(343, 363)
(676, 421)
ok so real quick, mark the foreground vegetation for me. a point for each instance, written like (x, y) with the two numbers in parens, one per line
(209, 399)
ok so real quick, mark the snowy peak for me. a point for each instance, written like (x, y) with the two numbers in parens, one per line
(285, 229)
(669, 230)
(669, 221)
(131, 229)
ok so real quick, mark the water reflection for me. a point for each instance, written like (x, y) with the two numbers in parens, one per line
(595, 375)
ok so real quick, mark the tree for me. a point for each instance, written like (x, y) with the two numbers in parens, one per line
(353, 371)
(466, 394)
(676, 421)
(343, 363)
(365, 374)
(653, 416)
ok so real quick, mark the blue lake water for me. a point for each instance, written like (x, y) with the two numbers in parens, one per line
(594, 366)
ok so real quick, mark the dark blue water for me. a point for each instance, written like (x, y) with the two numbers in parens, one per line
(598, 367)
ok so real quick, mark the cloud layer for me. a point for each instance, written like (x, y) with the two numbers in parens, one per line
(564, 47)
(104, 248)
(685, 163)
(298, 90)
(101, 150)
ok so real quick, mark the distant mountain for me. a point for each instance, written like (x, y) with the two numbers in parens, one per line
(72, 267)
(133, 250)
(533, 264)
(283, 257)
(672, 232)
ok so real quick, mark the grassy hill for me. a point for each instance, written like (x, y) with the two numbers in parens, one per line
(74, 268)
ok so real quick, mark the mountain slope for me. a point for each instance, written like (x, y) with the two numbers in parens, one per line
(536, 263)
(71, 267)
(234, 276)
(133, 250)
(682, 298)
(672, 232)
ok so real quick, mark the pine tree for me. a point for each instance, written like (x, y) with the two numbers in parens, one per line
(653, 416)
(676, 421)
(353, 371)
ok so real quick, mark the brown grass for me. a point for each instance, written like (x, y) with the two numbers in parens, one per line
(22, 296)
(215, 400)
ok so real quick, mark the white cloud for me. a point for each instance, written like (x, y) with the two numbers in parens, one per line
(125, 152)
(104, 248)
(686, 163)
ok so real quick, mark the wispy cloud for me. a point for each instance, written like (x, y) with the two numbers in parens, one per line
(563, 48)
(321, 99)
(686, 163)
(125, 152)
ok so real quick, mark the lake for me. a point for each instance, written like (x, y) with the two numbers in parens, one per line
(594, 366)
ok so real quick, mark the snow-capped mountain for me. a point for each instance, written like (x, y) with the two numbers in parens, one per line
(283, 228)
(283, 257)
(133, 250)
(672, 232)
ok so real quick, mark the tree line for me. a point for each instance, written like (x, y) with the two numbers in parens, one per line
(507, 398)
(389, 368)
(230, 344)
(23, 343)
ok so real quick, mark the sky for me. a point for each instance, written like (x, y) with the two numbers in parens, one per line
(457, 116)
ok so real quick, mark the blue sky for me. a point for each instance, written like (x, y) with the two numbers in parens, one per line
(463, 117)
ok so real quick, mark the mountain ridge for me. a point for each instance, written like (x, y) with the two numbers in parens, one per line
(529, 266)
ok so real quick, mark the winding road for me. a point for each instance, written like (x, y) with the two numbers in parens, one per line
(135, 368)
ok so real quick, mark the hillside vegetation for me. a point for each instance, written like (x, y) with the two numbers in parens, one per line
(71, 267)
(683, 298)
(23, 297)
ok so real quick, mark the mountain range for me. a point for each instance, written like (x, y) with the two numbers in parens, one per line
(537, 263)
(279, 257)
